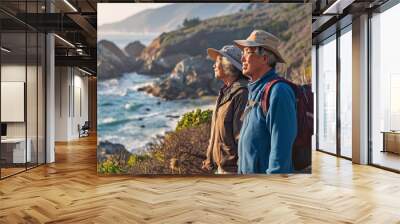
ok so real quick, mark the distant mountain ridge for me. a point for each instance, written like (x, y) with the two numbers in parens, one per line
(169, 17)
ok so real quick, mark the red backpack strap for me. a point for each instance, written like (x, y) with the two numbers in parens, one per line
(266, 93)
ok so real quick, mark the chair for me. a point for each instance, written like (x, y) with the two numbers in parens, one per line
(84, 130)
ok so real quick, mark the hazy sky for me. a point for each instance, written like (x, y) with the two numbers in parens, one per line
(113, 12)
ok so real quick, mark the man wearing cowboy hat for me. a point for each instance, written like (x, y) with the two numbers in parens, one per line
(225, 125)
(266, 139)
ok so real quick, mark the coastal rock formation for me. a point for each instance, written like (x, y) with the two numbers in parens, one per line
(134, 49)
(192, 77)
(112, 62)
(106, 149)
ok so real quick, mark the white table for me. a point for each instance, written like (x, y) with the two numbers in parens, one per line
(19, 153)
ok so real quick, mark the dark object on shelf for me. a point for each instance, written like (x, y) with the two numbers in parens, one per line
(3, 129)
(84, 130)
(391, 141)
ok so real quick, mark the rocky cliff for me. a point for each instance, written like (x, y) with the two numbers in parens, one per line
(106, 149)
(134, 49)
(191, 78)
(112, 62)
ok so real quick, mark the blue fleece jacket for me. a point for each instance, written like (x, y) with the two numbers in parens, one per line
(266, 140)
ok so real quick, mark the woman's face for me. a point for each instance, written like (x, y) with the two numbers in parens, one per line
(218, 69)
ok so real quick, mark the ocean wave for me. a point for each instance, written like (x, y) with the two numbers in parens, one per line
(106, 120)
(137, 86)
(129, 82)
(110, 88)
(106, 104)
(111, 121)
(132, 106)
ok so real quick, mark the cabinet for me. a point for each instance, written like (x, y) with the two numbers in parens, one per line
(391, 141)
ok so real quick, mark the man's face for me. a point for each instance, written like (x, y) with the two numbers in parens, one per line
(218, 69)
(252, 62)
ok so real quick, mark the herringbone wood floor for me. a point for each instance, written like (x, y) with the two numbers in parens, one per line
(70, 191)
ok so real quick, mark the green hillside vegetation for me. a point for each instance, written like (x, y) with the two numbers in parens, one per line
(191, 22)
(178, 152)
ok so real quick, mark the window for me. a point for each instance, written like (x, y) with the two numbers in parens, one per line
(327, 96)
(346, 93)
(385, 89)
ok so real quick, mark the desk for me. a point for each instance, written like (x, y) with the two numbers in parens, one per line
(16, 147)
(391, 141)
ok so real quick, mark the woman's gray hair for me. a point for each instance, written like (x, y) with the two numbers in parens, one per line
(272, 60)
(230, 69)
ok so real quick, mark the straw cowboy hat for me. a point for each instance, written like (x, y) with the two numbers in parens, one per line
(261, 38)
(231, 52)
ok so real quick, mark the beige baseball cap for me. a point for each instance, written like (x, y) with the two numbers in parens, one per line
(261, 38)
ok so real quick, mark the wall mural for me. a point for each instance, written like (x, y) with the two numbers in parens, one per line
(182, 89)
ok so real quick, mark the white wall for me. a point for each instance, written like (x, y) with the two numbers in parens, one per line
(80, 115)
(70, 84)
(62, 81)
(13, 73)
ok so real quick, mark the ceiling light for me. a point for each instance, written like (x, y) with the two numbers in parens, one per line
(64, 40)
(80, 51)
(338, 6)
(84, 71)
(330, 8)
(70, 5)
(5, 50)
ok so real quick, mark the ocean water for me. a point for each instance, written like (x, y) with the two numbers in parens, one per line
(134, 118)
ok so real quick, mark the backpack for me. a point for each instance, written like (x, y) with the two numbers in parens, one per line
(301, 152)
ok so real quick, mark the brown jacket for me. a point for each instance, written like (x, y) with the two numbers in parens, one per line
(225, 126)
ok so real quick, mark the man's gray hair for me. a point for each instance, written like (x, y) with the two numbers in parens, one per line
(230, 69)
(272, 60)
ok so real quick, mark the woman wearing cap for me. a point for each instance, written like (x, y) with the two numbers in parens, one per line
(226, 123)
